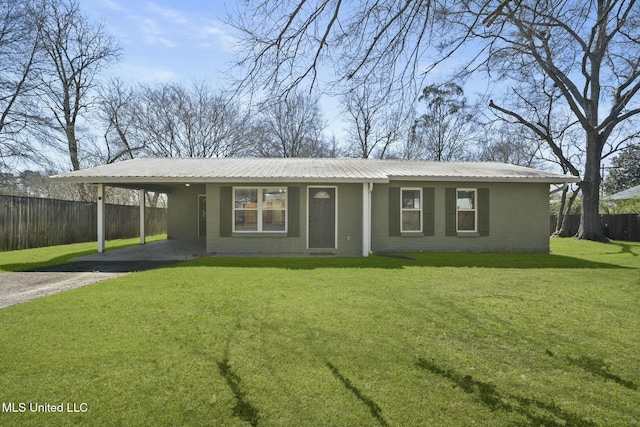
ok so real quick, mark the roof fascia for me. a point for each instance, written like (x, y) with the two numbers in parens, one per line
(136, 181)
(540, 180)
(139, 181)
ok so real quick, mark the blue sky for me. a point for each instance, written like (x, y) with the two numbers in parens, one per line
(185, 40)
(166, 40)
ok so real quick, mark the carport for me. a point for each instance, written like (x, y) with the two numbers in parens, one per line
(186, 193)
(101, 219)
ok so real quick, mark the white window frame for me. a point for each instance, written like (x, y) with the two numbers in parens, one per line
(474, 210)
(403, 209)
(260, 209)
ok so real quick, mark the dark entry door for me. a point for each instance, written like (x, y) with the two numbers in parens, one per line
(322, 218)
(202, 216)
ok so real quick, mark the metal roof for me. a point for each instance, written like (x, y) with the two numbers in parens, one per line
(287, 170)
(629, 193)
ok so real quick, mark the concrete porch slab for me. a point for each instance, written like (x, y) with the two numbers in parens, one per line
(162, 250)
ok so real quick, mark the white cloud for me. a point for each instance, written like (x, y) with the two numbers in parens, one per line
(172, 28)
(221, 38)
(114, 5)
(163, 43)
(141, 73)
(153, 34)
(171, 15)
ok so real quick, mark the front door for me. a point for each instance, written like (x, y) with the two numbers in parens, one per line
(202, 216)
(322, 218)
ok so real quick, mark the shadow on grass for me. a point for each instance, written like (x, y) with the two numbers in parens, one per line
(538, 412)
(597, 367)
(390, 261)
(436, 259)
(375, 410)
(625, 248)
(243, 408)
(58, 260)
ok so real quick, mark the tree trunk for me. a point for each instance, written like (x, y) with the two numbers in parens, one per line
(561, 214)
(564, 212)
(565, 220)
(73, 146)
(152, 200)
(84, 192)
(590, 224)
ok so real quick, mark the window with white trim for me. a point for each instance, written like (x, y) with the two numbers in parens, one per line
(260, 210)
(466, 210)
(411, 209)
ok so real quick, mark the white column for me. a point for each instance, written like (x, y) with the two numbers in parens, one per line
(369, 215)
(101, 222)
(142, 230)
(366, 218)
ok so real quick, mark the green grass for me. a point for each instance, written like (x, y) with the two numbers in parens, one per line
(56, 255)
(445, 340)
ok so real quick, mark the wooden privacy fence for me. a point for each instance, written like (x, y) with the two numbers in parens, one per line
(27, 222)
(616, 227)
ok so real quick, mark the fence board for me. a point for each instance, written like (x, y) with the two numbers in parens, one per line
(616, 227)
(27, 222)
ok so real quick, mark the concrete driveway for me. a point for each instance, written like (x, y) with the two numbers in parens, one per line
(25, 286)
(28, 285)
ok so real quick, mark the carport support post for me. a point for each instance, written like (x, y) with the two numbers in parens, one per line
(142, 230)
(367, 188)
(101, 223)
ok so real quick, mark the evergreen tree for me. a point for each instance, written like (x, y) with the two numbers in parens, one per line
(625, 172)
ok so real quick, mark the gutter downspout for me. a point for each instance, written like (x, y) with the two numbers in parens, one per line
(369, 210)
(367, 189)
(143, 234)
(101, 219)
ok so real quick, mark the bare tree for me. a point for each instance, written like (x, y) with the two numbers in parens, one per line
(589, 50)
(544, 128)
(75, 51)
(373, 127)
(291, 127)
(36, 183)
(445, 131)
(117, 110)
(172, 120)
(548, 130)
(507, 144)
(286, 44)
(19, 49)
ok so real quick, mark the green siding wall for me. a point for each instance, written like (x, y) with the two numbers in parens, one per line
(349, 236)
(182, 212)
(517, 221)
(350, 219)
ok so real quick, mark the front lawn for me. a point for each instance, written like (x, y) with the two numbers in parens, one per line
(443, 340)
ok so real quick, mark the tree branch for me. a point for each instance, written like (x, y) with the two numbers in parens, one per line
(542, 133)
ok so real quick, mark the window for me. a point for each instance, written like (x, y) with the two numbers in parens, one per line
(411, 209)
(260, 209)
(466, 210)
